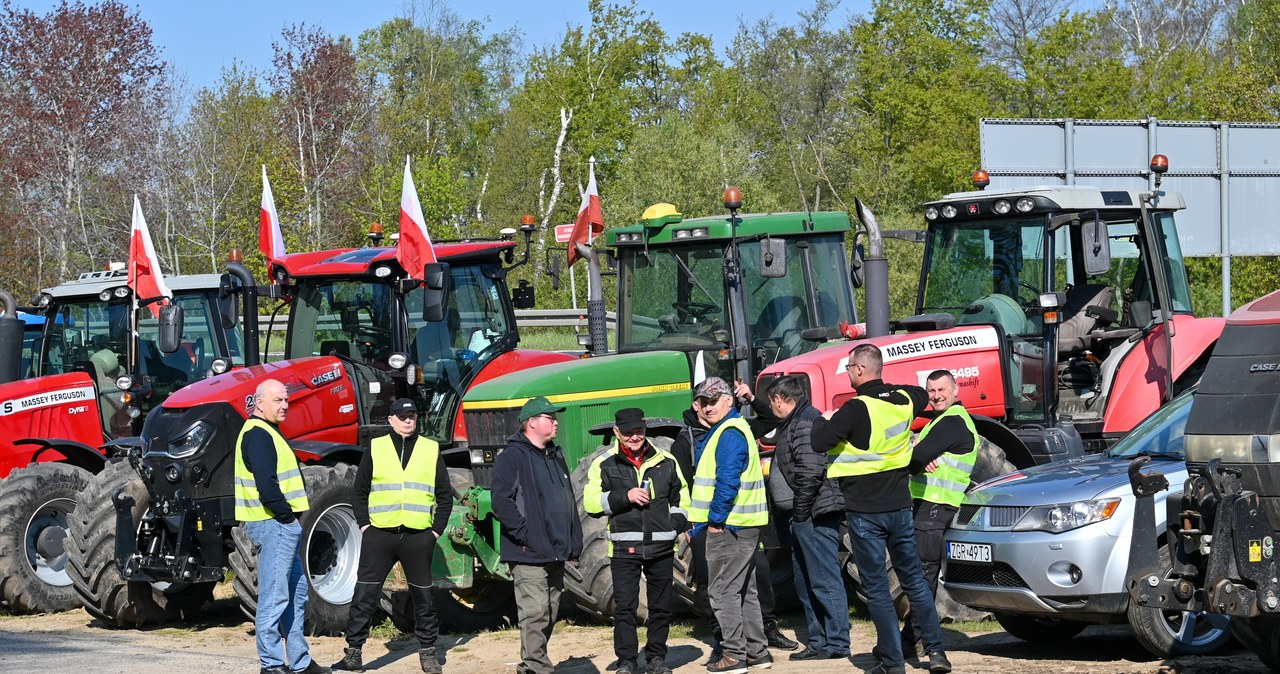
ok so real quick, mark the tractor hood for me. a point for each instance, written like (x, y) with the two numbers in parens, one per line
(970, 352)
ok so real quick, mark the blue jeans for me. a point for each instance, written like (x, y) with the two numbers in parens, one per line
(871, 534)
(282, 594)
(820, 582)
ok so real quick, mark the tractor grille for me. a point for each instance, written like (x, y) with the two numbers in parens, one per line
(489, 429)
(998, 574)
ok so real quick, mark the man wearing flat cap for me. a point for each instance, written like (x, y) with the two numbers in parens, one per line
(640, 489)
(402, 503)
(535, 504)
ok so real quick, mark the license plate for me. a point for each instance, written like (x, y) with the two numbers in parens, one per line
(969, 552)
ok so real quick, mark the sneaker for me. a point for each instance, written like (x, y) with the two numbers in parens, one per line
(938, 663)
(778, 640)
(317, 668)
(626, 667)
(352, 661)
(278, 669)
(716, 655)
(656, 666)
(808, 654)
(427, 659)
(727, 665)
(835, 655)
(880, 668)
(763, 662)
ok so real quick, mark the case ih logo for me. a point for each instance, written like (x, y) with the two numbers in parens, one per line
(331, 375)
(1265, 367)
(46, 400)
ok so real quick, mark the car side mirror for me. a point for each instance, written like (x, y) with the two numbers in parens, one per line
(170, 328)
(436, 279)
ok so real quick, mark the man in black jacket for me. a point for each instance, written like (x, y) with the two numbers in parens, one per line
(817, 510)
(538, 512)
(639, 488)
(682, 448)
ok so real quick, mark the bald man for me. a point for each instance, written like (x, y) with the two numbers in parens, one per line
(270, 495)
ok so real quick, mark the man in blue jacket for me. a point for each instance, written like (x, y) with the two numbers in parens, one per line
(535, 504)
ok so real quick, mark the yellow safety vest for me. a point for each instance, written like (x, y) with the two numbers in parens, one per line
(949, 481)
(403, 495)
(249, 506)
(890, 442)
(750, 507)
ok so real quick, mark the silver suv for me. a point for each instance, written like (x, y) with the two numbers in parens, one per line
(1046, 549)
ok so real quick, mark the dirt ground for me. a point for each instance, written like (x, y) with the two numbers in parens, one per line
(223, 642)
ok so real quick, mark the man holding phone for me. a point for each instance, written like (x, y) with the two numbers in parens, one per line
(641, 490)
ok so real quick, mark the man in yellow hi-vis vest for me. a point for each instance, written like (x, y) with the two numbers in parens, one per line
(941, 465)
(402, 502)
(868, 445)
(269, 494)
(728, 500)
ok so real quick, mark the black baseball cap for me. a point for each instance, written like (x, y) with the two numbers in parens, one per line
(403, 406)
(629, 419)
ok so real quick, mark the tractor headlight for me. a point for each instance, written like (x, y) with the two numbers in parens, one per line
(192, 441)
(1056, 519)
(124, 382)
(220, 365)
(397, 360)
(1024, 205)
(948, 211)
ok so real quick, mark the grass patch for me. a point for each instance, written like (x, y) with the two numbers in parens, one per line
(979, 626)
(556, 339)
(386, 630)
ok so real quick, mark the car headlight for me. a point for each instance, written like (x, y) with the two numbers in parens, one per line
(1056, 519)
(192, 441)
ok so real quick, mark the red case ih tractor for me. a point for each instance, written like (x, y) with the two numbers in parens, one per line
(96, 370)
(156, 533)
(1063, 312)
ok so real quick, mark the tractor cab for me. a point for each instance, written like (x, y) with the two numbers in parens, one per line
(736, 294)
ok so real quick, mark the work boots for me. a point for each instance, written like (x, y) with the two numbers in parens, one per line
(427, 658)
(352, 661)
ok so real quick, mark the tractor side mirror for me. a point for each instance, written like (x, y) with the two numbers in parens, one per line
(773, 258)
(228, 302)
(522, 296)
(436, 296)
(855, 266)
(1096, 246)
(555, 272)
(170, 328)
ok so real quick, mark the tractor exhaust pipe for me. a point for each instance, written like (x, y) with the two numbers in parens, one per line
(11, 329)
(251, 356)
(876, 269)
(596, 328)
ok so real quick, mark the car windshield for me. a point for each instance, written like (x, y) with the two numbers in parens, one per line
(1159, 434)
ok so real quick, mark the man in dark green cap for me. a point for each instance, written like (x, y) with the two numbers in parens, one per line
(535, 504)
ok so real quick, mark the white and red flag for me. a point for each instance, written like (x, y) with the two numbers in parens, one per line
(270, 241)
(414, 250)
(590, 220)
(145, 278)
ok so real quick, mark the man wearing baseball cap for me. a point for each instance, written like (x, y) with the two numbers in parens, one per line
(639, 488)
(402, 503)
(535, 504)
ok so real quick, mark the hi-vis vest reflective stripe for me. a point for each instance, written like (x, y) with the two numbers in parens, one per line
(403, 495)
(750, 508)
(249, 506)
(890, 442)
(947, 483)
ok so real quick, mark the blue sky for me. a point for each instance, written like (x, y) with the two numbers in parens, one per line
(202, 36)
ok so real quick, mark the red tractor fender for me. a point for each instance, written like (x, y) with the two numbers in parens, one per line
(1138, 387)
(72, 452)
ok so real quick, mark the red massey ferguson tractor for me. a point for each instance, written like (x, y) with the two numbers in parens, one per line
(1063, 312)
(156, 532)
(97, 367)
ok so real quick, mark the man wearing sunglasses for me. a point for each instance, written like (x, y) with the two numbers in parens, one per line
(535, 504)
(402, 503)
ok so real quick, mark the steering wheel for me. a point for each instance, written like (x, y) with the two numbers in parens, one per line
(694, 310)
(373, 333)
(1035, 293)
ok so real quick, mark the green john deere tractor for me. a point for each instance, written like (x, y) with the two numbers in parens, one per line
(711, 296)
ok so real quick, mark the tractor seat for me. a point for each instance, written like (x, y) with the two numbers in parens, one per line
(1073, 333)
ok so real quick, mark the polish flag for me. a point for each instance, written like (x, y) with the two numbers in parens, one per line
(414, 250)
(590, 220)
(144, 267)
(270, 241)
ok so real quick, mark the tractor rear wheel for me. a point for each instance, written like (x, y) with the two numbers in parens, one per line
(35, 505)
(330, 551)
(591, 583)
(91, 560)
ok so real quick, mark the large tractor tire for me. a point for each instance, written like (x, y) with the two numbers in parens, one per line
(489, 603)
(330, 551)
(91, 560)
(35, 506)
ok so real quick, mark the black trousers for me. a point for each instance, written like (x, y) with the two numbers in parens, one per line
(659, 590)
(764, 586)
(931, 525)
(380, 549)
